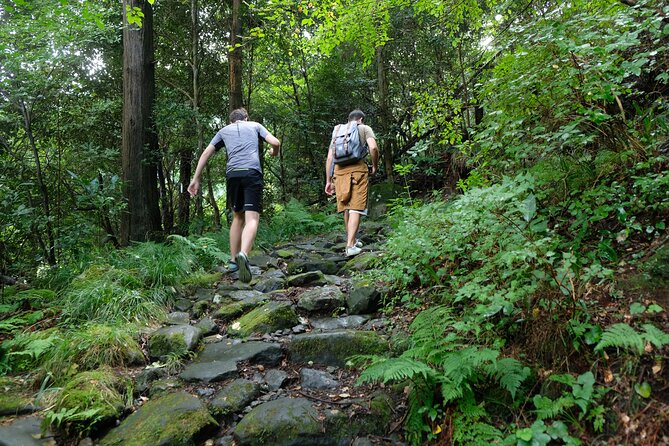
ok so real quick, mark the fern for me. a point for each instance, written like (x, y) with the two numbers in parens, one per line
(625, 337)
(470, 428)
(655, 336)
(510, 373)
(548, 408)
(396, 369)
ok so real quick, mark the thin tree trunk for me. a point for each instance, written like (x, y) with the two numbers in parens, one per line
(384, 115)
(212, 201)
(235, 57)
(141, 221)
(50, 247)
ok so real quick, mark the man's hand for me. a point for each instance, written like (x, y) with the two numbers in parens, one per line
(329, 188)
(194, 188)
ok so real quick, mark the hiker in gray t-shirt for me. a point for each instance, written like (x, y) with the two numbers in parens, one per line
(244, 182)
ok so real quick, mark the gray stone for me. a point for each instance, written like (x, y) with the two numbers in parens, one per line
(24, 432)
(207, 326)
(334, 280)
(316, 379)
(361, 262)
(282, 422)
(175, 339)
(304, 266)
(363, 298)
(263, 261)
(333, 348)
(337, 323)
(231, 310)
(247, 296)
(321, 299)
(314, 278)
(267, 285)
(234, 397)
(178, 318)
(173, 419)
(204, 294)
(164, 385)
(218, 362)
(274, 274)
(269, 318)
(183, 304)
(147, 376)
(275, 379)
(200, 308)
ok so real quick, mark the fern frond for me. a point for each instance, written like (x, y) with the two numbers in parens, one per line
(547, 408)
(621, 336)
(396, 369)
(510, 373)
(655, 336)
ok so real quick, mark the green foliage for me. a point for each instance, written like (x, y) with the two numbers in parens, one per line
(293, 220)
(107, 294)
(444, 361)
(56, 355)
(622, 336)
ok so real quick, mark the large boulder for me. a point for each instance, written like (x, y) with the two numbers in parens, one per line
(282, 422)
(218, 362)
(321, 299)
(269, 318)
(175, 419)
(363, 297)
(174, 339)
(25, 432)
(333, 348)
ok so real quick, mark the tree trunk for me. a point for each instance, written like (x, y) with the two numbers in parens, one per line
(141, 221)
(50, 248)
(385, 114)
(235, 57)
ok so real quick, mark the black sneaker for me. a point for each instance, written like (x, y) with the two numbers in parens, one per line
(244, 269)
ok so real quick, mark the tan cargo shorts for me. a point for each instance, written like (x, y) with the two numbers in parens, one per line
(351, 189)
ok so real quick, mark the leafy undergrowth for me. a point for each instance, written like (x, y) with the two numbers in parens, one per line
(90, 317)
(525, 333)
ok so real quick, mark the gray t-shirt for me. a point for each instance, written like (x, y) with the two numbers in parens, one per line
(240, 140)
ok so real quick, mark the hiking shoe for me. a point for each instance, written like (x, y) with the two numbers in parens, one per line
(353, 251)
(232, 267)
(244, 268)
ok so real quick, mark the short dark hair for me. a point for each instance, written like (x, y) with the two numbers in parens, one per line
(238, 114)
(355, 115)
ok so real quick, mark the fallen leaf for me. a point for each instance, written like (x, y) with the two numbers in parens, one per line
(657, 368)
(608, 376)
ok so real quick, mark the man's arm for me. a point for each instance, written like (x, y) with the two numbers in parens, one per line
(275, 143)
(374, 152)
(194, 186)
(329, 189)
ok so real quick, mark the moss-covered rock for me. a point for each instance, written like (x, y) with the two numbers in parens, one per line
(173, 340)
(363, 297)
(176, 419)
(333, 348)
(90, 399)
(282, 422)
(230, 310)
(269, 318)
(362, 262)
(234, 397)
(286, 253)
(315, 278)
(14, 400)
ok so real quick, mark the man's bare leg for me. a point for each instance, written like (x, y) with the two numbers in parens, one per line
(352, 224)
(250, 231)
(236, 229)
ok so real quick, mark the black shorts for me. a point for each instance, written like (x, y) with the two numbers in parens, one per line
(244, 187)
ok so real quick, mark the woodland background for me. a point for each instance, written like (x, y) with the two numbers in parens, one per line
(527, 141)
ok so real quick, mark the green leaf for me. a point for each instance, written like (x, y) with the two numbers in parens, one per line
(643, 389)
(529, 207)
(655, 308)
(524, 434)
(637, 308)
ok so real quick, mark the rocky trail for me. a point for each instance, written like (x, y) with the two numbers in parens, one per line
(267, 361)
